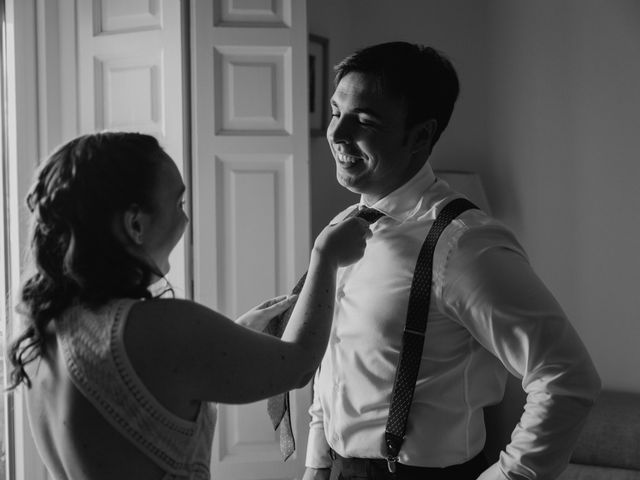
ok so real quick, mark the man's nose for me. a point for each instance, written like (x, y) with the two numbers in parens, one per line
(339, 130)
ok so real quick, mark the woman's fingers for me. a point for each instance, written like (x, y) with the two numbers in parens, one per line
(281, 305)
(271, 301)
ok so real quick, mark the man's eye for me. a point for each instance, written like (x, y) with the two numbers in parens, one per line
(335, 114)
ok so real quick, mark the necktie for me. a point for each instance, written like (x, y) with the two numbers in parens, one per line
(278, 406)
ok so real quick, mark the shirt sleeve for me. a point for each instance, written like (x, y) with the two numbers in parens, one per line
(317, 446)
(490, 288)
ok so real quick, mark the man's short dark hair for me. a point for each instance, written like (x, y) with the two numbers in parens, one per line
(420, 75)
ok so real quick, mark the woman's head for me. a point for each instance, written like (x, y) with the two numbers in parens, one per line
(106, 212)
(102, 218)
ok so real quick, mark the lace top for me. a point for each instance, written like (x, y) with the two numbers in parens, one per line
(93, 346)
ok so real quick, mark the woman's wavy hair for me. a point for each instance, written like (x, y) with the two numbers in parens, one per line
(78, 194)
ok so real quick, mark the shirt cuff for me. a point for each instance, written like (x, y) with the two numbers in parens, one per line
(317, 450)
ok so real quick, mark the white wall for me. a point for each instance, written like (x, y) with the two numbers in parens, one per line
(549, 115)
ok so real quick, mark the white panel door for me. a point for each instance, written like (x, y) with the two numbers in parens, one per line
(250, 192)
(130, 78)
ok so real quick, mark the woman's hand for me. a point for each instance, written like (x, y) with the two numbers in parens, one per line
(344, 242)
(258, 317)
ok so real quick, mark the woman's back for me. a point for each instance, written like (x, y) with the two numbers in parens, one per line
(78, 423)
(72, 437)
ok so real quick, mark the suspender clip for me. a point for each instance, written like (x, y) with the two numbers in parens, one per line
(391, 463)
(393, 443)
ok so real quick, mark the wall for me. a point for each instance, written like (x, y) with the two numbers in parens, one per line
(331, 20)
(565, 120)
(549, 116)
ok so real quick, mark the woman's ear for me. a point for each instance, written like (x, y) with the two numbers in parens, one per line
(424, 135)
(133, 224)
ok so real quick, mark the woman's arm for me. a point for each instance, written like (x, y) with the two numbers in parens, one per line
(204, 355)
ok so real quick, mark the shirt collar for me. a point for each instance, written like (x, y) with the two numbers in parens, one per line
(403, 201)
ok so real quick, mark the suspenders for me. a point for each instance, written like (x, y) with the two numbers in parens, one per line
(414, 332)
(412, 341)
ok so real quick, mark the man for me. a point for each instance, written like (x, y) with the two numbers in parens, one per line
(489, 313)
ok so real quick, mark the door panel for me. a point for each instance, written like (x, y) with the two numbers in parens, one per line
(250, 190)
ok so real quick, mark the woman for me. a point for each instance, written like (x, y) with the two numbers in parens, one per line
(119, 383)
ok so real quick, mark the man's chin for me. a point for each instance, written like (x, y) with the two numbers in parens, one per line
(348, 182)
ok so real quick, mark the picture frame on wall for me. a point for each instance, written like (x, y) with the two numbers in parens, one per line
(318, 85)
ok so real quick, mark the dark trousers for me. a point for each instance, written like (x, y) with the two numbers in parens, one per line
(376, 469)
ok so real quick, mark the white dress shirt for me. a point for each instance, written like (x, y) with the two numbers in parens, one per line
(489, 314)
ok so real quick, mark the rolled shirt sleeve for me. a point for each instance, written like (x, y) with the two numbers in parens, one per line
(491, 289)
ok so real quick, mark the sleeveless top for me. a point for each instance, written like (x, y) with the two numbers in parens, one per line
(93, 348)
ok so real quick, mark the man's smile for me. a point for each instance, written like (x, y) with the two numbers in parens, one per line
(347, 161)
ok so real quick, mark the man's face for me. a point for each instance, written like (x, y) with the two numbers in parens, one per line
(369, 140)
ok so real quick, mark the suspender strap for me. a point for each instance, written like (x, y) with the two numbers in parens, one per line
(414, 332)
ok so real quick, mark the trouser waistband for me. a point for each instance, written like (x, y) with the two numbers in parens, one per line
(374, 468)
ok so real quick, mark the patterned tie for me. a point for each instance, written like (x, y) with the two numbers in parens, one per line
(278, 406)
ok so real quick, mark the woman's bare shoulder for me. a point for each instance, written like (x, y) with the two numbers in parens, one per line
(171, 325)
(159, 311)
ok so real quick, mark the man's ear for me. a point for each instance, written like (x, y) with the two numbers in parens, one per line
(133, 224)
(423, 135)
